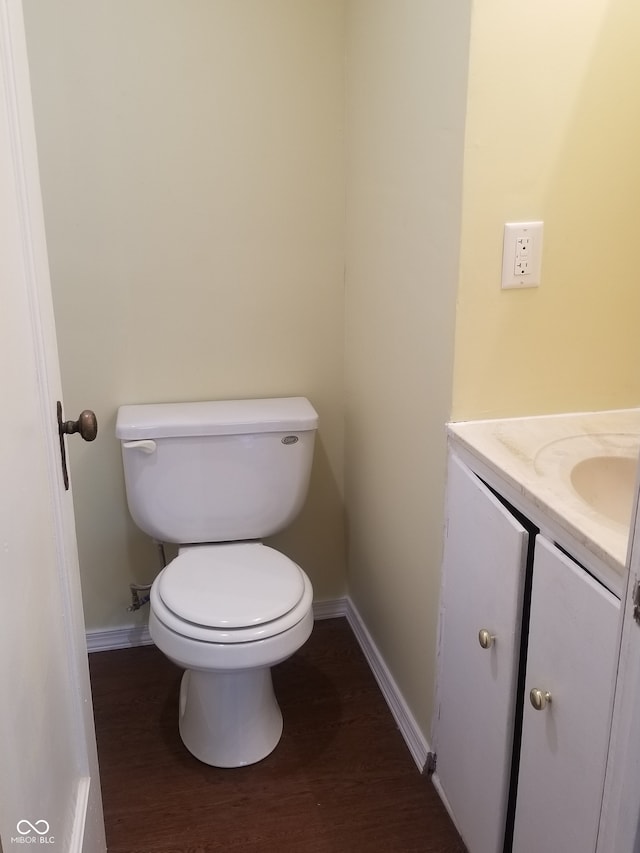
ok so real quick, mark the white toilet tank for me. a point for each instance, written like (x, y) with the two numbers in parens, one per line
(216, 471)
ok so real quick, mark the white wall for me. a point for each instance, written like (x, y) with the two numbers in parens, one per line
(406, 85)
(192, 171)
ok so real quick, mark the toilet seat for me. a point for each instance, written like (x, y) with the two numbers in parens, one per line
(231, 593)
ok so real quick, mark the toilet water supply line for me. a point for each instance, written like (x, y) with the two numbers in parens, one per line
(136, 601)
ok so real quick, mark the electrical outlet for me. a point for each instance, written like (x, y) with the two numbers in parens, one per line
(522, 254)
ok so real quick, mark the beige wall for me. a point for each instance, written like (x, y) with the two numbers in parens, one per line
(552, 133)
(192, 172)
(406, 80)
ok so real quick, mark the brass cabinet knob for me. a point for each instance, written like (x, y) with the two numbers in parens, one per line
(539, 698)
(486, 638)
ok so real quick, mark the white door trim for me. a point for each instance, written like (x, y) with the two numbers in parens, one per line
(87, 832)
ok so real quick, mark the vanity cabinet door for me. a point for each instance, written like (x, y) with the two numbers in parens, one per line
(572, 653)
(483, 577)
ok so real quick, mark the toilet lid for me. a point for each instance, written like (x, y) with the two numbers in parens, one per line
(231, 586)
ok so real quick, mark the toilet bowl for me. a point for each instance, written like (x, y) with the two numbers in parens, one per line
(203, 620)
(220, 476)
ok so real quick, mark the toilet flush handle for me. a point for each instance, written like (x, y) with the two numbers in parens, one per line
(145, 446)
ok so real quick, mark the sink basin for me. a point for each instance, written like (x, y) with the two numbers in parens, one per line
(607, 483)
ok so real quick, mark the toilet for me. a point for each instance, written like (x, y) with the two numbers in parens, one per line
(215, 478)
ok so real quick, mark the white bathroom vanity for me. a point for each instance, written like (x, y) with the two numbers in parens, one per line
(534, 582)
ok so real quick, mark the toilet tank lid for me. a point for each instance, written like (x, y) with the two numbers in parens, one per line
(218, 417)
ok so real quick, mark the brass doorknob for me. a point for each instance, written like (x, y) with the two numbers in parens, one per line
(539, 698)
(486, 638)
(86, 425)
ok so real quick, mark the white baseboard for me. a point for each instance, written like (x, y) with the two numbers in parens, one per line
(409, 729)
(118, 638)
(138, 635)
(330, 609)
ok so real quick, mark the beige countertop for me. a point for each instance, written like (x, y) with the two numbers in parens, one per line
(534, 458)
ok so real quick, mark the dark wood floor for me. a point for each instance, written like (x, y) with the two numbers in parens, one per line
(341, 779)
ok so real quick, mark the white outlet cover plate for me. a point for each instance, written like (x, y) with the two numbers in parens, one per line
(512, 232)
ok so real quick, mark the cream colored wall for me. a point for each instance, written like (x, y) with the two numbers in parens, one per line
(552, 133)
(192, 172)
(406, 80)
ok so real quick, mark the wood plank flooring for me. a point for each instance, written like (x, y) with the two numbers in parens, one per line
(340, 781)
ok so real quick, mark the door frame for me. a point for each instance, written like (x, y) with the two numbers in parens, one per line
(88, 827)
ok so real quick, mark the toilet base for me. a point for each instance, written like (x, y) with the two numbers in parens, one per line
(229, 719)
